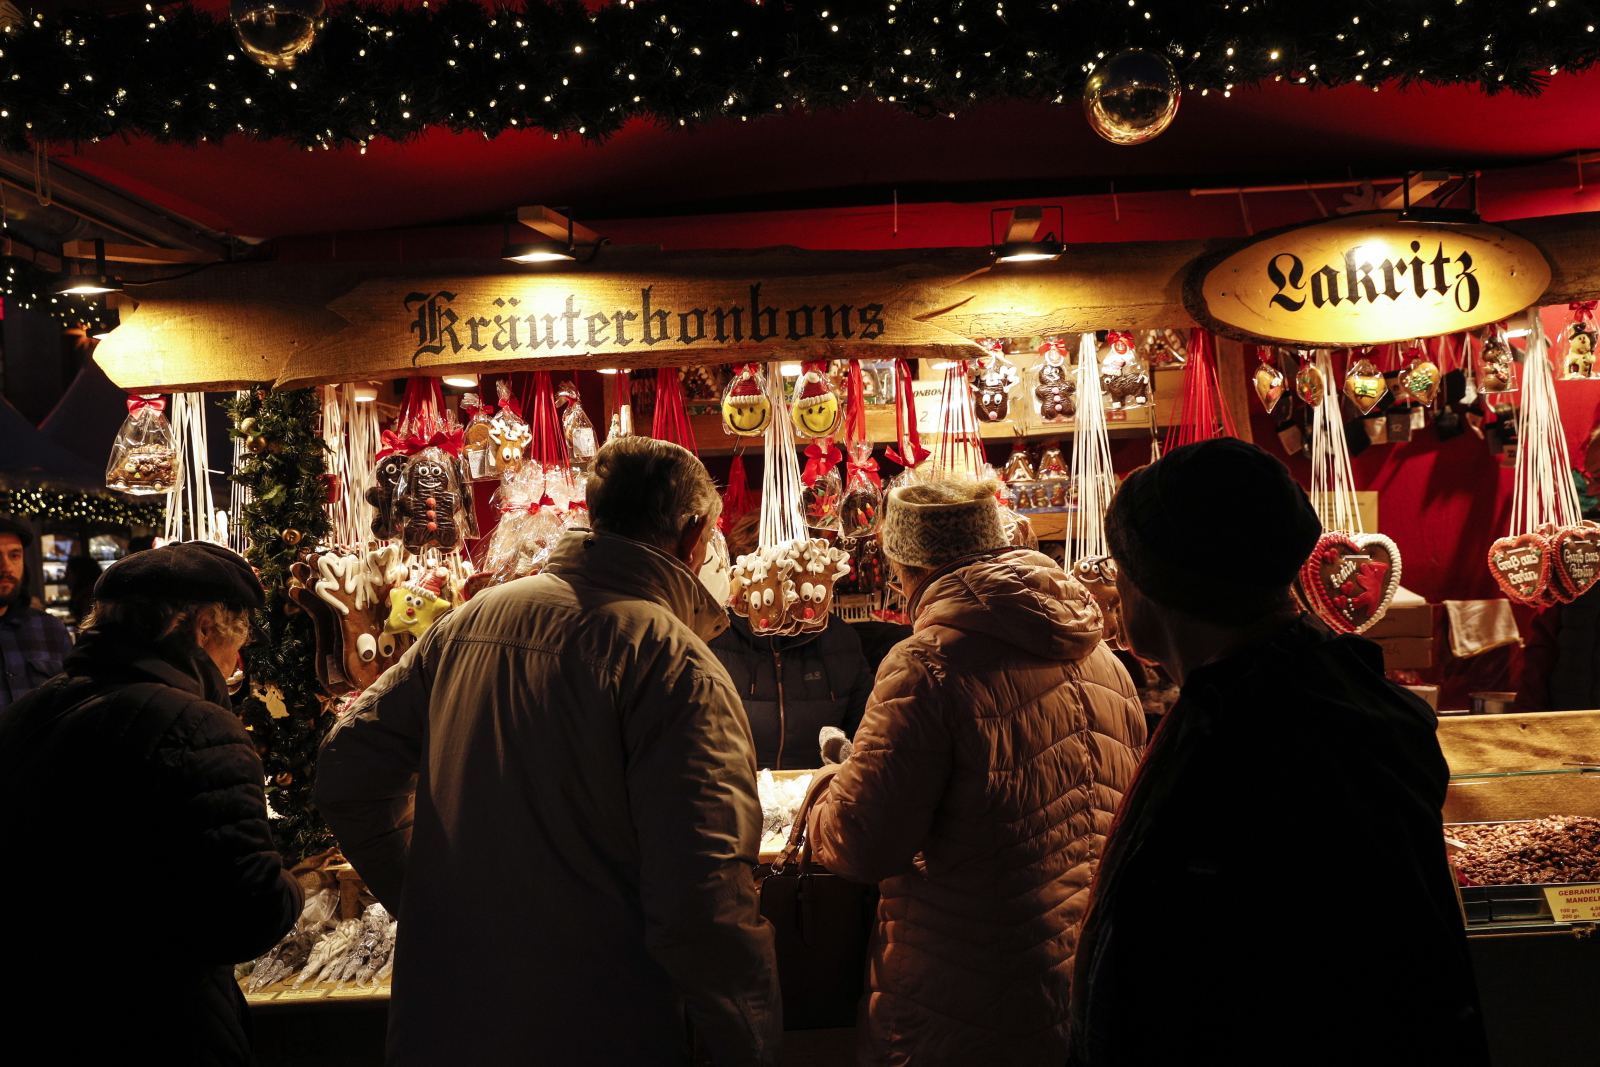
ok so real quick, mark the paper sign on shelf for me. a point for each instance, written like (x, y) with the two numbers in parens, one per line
(1573, 903)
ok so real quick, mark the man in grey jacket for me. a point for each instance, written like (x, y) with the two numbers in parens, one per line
(554, 790)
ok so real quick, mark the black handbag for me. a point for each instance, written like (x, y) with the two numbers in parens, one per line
(823, 927)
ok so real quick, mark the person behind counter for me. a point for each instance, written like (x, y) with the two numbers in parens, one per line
(32, 642)
(554, 791)
(792, 687)
(134, 793)
(982, 781)
(1288, 767)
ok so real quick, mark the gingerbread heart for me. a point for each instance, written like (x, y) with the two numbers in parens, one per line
(1364, 385)
(1521, 566)
(1575, 558)
(1350, 579)
(1269, 386)
(1308, 383)
(1422, 380)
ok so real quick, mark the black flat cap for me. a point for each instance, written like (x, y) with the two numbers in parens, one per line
(189, 571)
(21, 532)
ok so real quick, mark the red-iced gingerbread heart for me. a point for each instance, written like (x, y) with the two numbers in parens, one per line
(1521, 566)
(1350, 579)
(1575, 559)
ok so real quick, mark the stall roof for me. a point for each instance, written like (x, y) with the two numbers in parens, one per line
(873, 156)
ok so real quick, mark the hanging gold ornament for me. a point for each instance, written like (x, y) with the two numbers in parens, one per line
(1363, 384)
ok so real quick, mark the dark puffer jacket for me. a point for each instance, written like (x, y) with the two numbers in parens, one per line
(794, 686)
(135, 797)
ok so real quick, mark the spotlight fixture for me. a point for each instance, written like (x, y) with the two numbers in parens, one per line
(1419, 184)
(1018, 244)
(365, 394)
(607, 370)
(538, 252)
(563, 237)
(789, 370)
(461, 381)
(91, 284)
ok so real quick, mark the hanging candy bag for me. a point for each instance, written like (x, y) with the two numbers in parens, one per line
(144, 458)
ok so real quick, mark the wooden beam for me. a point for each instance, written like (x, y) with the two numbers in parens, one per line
(297, 324)
(138, 253)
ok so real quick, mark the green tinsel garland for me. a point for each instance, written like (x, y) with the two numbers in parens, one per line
(83, 507)
(29, 287)
(287, 480)
(392, 71)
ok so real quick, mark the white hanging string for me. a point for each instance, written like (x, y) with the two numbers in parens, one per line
(191, 515)
(1091, 457)
(781, 516)
(1333, 486)
(238, 497)
(351, 430)
(1544, 491)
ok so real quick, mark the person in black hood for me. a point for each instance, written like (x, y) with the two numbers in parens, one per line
(129, 786)
(1276, 876)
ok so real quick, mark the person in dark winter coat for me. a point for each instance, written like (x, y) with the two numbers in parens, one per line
(792, 687)
(1277, 870)
(1561, 663)
(132, 812)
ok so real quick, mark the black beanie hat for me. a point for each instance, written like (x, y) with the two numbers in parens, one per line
(17, 530)
(196, 571)
(1215, 529)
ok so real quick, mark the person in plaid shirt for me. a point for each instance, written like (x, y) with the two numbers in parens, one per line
(32, 643)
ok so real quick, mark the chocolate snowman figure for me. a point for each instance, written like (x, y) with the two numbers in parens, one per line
(1055, 389)
(427, 501)
(1580, 350)
(992, 384)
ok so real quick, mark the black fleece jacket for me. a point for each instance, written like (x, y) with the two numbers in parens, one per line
(134, 795)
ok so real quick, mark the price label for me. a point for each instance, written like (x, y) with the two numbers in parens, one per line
(302, 994)
(352, 991)
(1574, 903)
(258, 998)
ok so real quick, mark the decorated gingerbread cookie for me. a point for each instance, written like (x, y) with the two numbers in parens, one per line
(761, 587)
(1098, 574)
(992, 381)
(816, 412)
(1520, 565)
(746, 411)
(429, 494)
(381, 495)
(416, 604)
(1054, 392)
(1350, 579)
(1575, 558)
(821, 568)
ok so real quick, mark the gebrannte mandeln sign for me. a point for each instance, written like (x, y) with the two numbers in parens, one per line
(1370, 278)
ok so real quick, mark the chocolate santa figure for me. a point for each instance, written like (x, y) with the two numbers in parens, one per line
(426, 501)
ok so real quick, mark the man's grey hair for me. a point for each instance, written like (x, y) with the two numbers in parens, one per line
(649, 490)
(151, 619)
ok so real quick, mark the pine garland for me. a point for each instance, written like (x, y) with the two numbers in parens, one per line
(286, 477)
(83, 507)
(394, 71)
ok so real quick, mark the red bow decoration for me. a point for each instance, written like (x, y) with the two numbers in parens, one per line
(821, 457)
(993, 345)
(1121, 343)
(1056, 345)
(1583, 310)
(135, 402)
(907, 436)
(448, 440)
(867, 468)
(393, 443)
(511, 403)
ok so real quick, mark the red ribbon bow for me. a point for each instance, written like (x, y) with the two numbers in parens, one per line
(1057, 346)
(135, 402)
(393, 443)
(1121, 343)
(821, 457)
(994, 345)
(867, 468)
(449, 440)
(1583, 310)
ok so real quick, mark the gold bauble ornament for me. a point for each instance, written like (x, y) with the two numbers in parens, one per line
(1131, 97)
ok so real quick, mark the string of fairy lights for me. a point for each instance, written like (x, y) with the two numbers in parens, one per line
(82, 507)
(29, 287)
(381, 71)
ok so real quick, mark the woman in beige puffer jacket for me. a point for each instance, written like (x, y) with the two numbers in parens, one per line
(994, 752)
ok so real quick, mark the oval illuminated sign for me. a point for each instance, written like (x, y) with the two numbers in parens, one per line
(1368, 279)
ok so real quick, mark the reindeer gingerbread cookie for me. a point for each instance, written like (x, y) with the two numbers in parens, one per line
(821, 568)
(761, 587)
